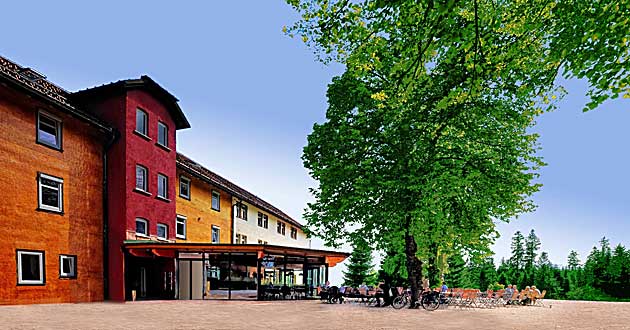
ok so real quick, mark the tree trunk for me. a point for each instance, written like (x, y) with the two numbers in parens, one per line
(414, 266)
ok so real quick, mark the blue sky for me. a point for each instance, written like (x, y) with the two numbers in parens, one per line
(253, 94)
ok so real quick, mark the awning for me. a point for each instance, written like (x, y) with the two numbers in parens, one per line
(165, 249)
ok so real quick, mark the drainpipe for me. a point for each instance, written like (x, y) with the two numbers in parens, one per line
(111, 140)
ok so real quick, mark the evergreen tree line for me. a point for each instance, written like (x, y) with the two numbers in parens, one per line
(605, 275)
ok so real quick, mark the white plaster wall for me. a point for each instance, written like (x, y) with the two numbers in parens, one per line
(253, 232)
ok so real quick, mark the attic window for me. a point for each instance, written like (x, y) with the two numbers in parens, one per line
(31, 75)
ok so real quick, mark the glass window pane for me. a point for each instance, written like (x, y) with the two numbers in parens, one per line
(141, 227)
(162, 231)
(141, 178)
(50, 197)
(141, 121)
(30, 267)
(180, 228)
(162, 185)
(216, 204)
(162, 134)
(48, 131)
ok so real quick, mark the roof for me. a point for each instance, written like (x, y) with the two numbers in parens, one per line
(211, 177)
(144, 83)
(35, 84)
(168, 249)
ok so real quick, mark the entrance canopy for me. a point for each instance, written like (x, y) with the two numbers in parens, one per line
(148, 248)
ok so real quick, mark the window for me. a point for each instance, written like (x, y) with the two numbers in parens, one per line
(162, 134)
(243, 239)
(216, 234)
(293, 233)
(260, 241)
(141, 122)
(265, 242)
(141, 178)
(241, 211)
(216, 200)
(48, 130)
(162, 231)
(30, 267)
(281, 228)
(50, 193)
(67, 266)
(238, 239)
(162, 186)
(263, 220)
(184, 187)
(180, 227)
(142, 227)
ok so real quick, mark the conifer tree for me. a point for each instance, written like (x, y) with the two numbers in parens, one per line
(359, 269)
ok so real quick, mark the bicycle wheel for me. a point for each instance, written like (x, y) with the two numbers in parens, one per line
(430, 302)
(399, 302)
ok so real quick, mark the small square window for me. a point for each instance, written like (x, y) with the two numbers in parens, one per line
(216, 200)
(162, 231)
(162, 186)
(67, 266)
(162, 134)
(141, 178)
(30, 267)
(49, 130)
(142, 227)
(184, 187)
(180, 227)
(141, 122)
(50, 193)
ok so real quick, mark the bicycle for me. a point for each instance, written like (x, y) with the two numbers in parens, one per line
(429, 300)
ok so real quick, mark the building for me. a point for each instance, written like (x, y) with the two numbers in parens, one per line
(105, 208)
(141, 185)
(51, 155)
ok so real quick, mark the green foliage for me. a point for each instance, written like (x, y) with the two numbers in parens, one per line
(427, 141)
(359, 269)
(604, 276)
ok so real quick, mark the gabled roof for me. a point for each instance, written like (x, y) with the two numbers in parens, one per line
(30, 81)
(205, 174)
(144, 83)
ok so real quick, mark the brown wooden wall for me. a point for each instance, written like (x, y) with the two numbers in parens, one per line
(199, 212)
(77, 232)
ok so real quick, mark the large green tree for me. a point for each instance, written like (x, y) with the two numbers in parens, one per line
(426, 139)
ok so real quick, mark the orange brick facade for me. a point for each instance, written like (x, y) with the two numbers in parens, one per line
(78, 231)
(200, 217)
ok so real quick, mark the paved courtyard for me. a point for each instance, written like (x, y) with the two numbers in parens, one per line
(307, 315)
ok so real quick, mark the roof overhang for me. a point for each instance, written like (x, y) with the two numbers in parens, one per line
(164, 249)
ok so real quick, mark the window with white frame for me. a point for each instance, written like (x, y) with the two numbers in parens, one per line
(241, 211)
(243, 239)
(162, 134)
(180, 227)
(216, 200)
(294, 233)
(50, 193)
(263, 220)
(162, 186)
(281, 228)
(142, 227)
(49, 130)
(162, 231)
(30, 267)
(238, 239)
(67, 266)
(216, 234)
(141, 122)
(141, 178)
(184, 187)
